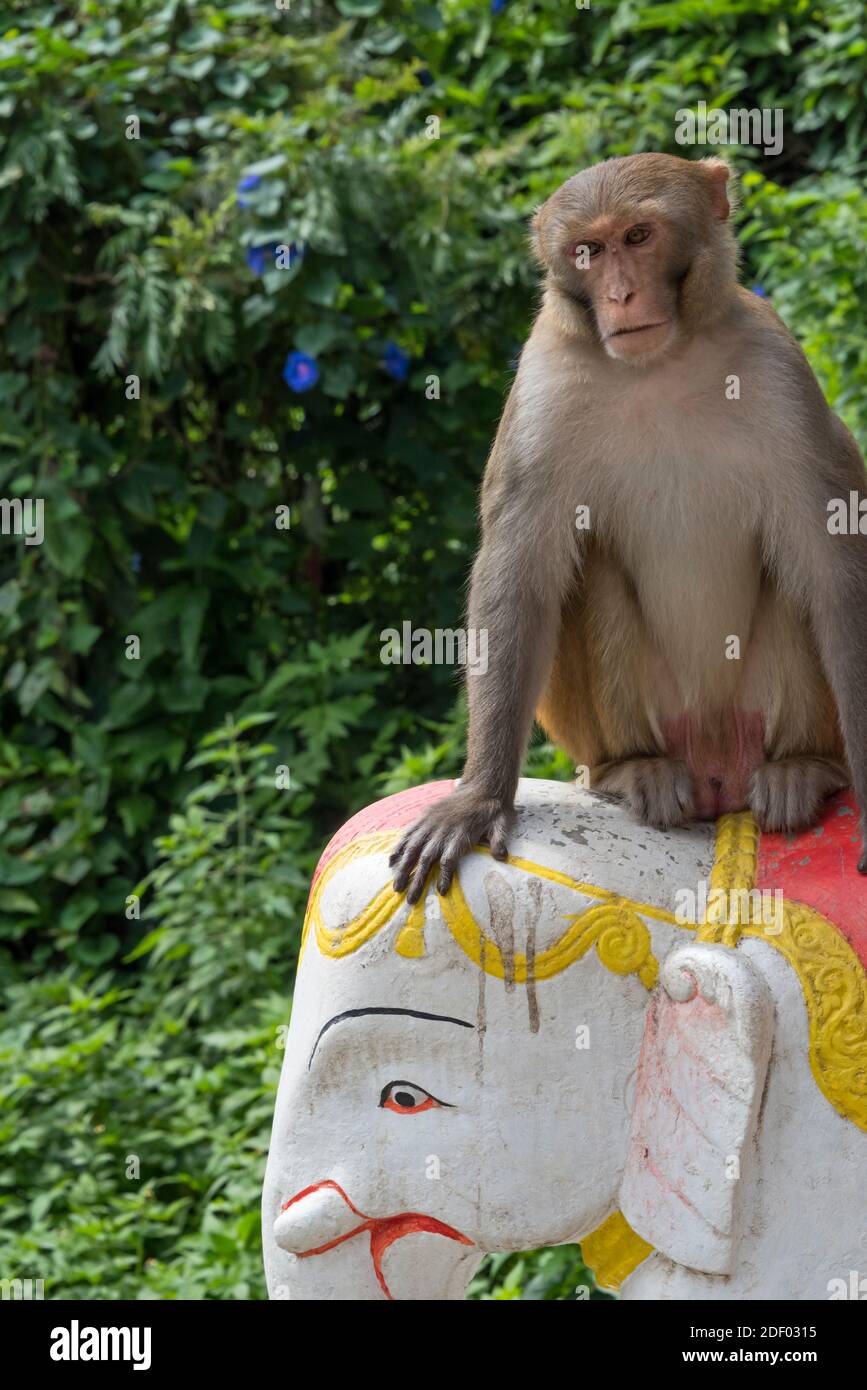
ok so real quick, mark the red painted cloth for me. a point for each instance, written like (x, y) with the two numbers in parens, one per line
(819, 867)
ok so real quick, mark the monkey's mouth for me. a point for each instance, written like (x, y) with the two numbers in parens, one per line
(642, 328)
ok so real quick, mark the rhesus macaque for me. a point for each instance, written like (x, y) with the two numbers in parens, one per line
(701, 643)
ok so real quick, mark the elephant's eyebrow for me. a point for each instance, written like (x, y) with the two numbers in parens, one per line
(407, 1013)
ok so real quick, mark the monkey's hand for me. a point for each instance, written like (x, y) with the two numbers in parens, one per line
(469, 816)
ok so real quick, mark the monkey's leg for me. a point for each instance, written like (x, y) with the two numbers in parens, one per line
(658, 791)
(804, 754)
(788, 795)
(603, 681)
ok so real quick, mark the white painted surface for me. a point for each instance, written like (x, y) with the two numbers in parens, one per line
(532, 1139)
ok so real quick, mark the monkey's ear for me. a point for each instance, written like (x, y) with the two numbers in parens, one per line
(536, 242)
(718, 173)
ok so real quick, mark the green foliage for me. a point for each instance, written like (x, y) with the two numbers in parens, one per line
(557, 1272)
(142, 397)
(141, 1102)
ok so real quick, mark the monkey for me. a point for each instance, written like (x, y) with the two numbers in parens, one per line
(701, 645)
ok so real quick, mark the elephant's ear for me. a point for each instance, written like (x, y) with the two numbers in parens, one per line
(700, 1078)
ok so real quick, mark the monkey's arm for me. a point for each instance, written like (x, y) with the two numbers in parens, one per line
(840, 619)
(831, 570)
(521, 573)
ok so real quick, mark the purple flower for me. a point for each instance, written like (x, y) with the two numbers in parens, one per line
(258, 257)
(246, 185)
(300, 372)
(760, 291)
(395, 362)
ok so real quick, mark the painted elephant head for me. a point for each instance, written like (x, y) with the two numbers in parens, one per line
(545, 1054)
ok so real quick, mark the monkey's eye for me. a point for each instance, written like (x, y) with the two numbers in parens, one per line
(407, 1098)
(583, 249)
(636, 235)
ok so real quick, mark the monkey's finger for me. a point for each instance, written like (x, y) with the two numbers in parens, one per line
(426, 860)
(862, 862)
(398, 851)
(498, 838)
(413, 839)
(411, 848)
(453, 850)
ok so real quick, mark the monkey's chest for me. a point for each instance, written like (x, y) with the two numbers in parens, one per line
(692, 564)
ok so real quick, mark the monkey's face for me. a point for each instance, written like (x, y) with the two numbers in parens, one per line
(630, 285)
(621, 239)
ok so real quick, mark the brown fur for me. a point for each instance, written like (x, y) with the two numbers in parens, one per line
(708, 522)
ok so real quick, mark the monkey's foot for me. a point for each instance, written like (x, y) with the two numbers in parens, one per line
(658, 791)
(788, 795)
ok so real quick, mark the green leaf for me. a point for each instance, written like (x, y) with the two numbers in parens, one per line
(127, 703)
(13, 900)
(359, 8)
(67, 543)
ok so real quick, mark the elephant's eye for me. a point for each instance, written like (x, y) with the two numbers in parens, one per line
(407, 1099)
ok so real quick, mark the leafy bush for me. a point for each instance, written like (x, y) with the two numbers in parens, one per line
(256, 525)
(143, 1102)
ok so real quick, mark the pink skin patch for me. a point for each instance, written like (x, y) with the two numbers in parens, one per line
(383, 1230)
(720, 757)
(819, 867)
(392, 813)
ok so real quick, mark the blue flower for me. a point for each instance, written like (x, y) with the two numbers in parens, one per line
(760, 291)
(497, 6)
(425, 77)
(395, 362)
(300, 372)
(135, 563)
(258, 257)
(246, 185)
(262, 258)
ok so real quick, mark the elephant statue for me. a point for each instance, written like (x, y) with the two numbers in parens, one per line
(651, 1042)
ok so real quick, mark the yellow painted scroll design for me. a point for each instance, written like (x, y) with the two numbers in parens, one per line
(830, 972)
(622, 941)
(613, 924)
(835, 992)
(733, 875)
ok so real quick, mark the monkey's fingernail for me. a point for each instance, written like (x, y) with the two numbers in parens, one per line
(862, 863)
